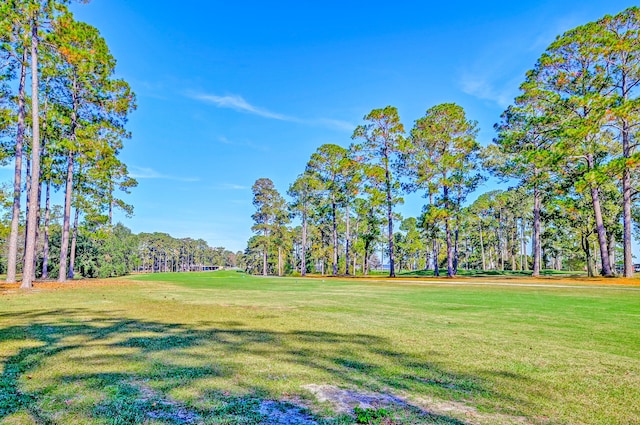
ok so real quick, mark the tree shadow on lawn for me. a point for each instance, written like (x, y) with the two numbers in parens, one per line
(63, 368)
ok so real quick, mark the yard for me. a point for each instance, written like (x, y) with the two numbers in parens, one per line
(227, 348)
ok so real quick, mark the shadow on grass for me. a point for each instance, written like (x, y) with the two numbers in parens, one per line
(122, 371)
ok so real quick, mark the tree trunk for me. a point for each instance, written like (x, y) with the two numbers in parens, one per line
(27, 196)
(600, 229)
(587, 252)
(501, 240)
(392, 270)
(523, 247)
(612, 252)
(45, 247)
(66, 222)
(365, 260)
(456, 234)
(347, 241)
(303, 259)
(484, 258)
(28, 273)
(427, 257)
(447, 232)
(466, 253)
(38, 217)
(436, 266)
(264, 255)
(335, 236)
(279, 261)
(74, 242)
(12, 259)
(537, 246)
(514, 249)
(626, 205)
(111, 203)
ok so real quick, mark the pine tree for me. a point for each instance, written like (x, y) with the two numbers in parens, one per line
(380, 145)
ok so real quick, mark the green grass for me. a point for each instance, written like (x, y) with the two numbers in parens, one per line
(211, 347)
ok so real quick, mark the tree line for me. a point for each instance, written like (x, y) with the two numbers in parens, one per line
(62, 121)
(111, 251)
(568, 143)
(160, 252)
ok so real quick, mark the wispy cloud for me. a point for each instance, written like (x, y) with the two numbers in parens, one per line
(482, 87)
(495, 78)
(331, 123)
(150, 173)
(237, 103)
(495, 74)
(254, 146)
(232, 186)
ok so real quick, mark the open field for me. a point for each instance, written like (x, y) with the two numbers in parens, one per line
(226, 348)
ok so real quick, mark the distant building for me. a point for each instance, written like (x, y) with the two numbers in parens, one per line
(203, 268)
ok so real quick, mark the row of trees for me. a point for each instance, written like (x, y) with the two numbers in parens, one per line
(569, 141)
(111, 251)
(159, 252)
(346, 195)
(64, 133)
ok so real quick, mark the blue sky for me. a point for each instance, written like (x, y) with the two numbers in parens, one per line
(229, 92)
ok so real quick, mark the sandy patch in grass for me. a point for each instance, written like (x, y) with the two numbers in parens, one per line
(345, 400)
(51, 285)
(284, 414)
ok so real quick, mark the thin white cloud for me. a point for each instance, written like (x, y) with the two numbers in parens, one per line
(226, 141)
(483, 88)
(237, 103)
(497, 71)
(150, 173)
(232, 186)
(331, 123)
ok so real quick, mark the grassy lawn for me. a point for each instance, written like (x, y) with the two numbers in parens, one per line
(226, 348)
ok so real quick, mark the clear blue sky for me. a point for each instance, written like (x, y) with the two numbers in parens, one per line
(229, 92)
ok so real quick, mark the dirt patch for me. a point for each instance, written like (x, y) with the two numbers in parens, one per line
(162, 408)
(284, 414)
(345, 400)
(51, 285)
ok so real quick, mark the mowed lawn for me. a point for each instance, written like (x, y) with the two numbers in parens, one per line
(227, 348)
